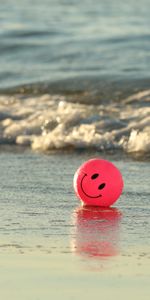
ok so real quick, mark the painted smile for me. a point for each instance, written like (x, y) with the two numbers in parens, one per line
(85, 192)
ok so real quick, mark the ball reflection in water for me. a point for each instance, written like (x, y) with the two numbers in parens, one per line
(96, 231)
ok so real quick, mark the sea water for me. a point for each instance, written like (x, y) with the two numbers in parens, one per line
(75, 74)
(52, 40)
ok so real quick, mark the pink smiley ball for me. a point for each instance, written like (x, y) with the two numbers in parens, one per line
(98, 182)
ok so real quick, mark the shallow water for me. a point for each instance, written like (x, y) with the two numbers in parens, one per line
(40, 211)
(47, 240)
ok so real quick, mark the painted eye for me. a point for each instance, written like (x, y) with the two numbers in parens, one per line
(94, 176)
(101, 186)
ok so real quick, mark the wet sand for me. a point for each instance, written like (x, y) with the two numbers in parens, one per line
(64, 276)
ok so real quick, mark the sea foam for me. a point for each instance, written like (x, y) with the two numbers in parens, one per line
(52, 122)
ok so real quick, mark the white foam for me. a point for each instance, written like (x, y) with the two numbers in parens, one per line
(50, 122)
(139, 141)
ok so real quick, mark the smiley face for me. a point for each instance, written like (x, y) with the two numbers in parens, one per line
(93, 177)
(98, 183)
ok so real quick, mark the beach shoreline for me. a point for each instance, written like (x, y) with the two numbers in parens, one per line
(47, 241)
(74, 85)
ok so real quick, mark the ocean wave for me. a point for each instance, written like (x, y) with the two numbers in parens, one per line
(52, 122)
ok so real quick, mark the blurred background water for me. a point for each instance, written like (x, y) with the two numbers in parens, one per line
(87, 52)
(61, 39)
